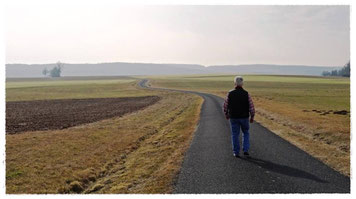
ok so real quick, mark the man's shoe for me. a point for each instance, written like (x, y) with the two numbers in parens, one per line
(247, 155)
(236, 155)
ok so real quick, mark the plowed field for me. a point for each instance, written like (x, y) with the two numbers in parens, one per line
(59, 114)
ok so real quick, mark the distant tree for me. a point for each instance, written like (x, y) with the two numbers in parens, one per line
(57, 70)
(326, 73)
(45, 71)
(334, 73)
(344, 71)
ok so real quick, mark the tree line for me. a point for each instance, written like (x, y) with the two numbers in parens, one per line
(344, 72)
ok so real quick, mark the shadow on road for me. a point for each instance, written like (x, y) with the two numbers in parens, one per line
(285, 170)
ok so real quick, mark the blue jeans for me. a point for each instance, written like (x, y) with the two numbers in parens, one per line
(236, 124)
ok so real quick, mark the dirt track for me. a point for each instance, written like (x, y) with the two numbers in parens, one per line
(59, 114)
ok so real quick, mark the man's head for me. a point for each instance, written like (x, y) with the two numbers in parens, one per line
(239, 81)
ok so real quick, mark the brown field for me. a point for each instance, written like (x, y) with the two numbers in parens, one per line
(38, 115)
(138, 152)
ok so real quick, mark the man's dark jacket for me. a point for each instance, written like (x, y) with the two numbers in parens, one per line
(238, 103)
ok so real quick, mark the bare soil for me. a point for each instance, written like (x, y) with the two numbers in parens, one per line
(38, 115)
(326, 112)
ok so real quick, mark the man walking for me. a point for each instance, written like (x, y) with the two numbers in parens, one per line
(238, 107)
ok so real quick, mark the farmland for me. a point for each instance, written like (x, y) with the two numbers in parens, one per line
(135, 151)
(313, 113)
(71, 88)
(140, 149)
(37, 115)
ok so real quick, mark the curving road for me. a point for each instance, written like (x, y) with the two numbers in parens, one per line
(276, 165)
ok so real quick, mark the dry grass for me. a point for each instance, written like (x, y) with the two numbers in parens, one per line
(328, 143)
(137, 153)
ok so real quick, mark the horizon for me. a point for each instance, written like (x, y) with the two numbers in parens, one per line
(127, 68)
(157, 63)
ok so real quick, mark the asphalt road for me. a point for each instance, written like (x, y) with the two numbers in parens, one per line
(276, 165)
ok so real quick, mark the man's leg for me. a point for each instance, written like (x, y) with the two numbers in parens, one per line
(235, 132)
(245, 127)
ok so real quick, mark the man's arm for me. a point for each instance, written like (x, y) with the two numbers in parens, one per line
(226, 106)
(252, 108)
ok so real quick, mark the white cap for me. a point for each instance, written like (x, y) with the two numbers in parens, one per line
(239, 81)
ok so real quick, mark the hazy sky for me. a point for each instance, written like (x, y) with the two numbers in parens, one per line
(208, 35)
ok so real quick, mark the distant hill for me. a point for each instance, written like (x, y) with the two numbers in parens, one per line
(104, 69)
(271, 69)
(121, 69)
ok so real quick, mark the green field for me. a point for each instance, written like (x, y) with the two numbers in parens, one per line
(304, 92)
(37, 89)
